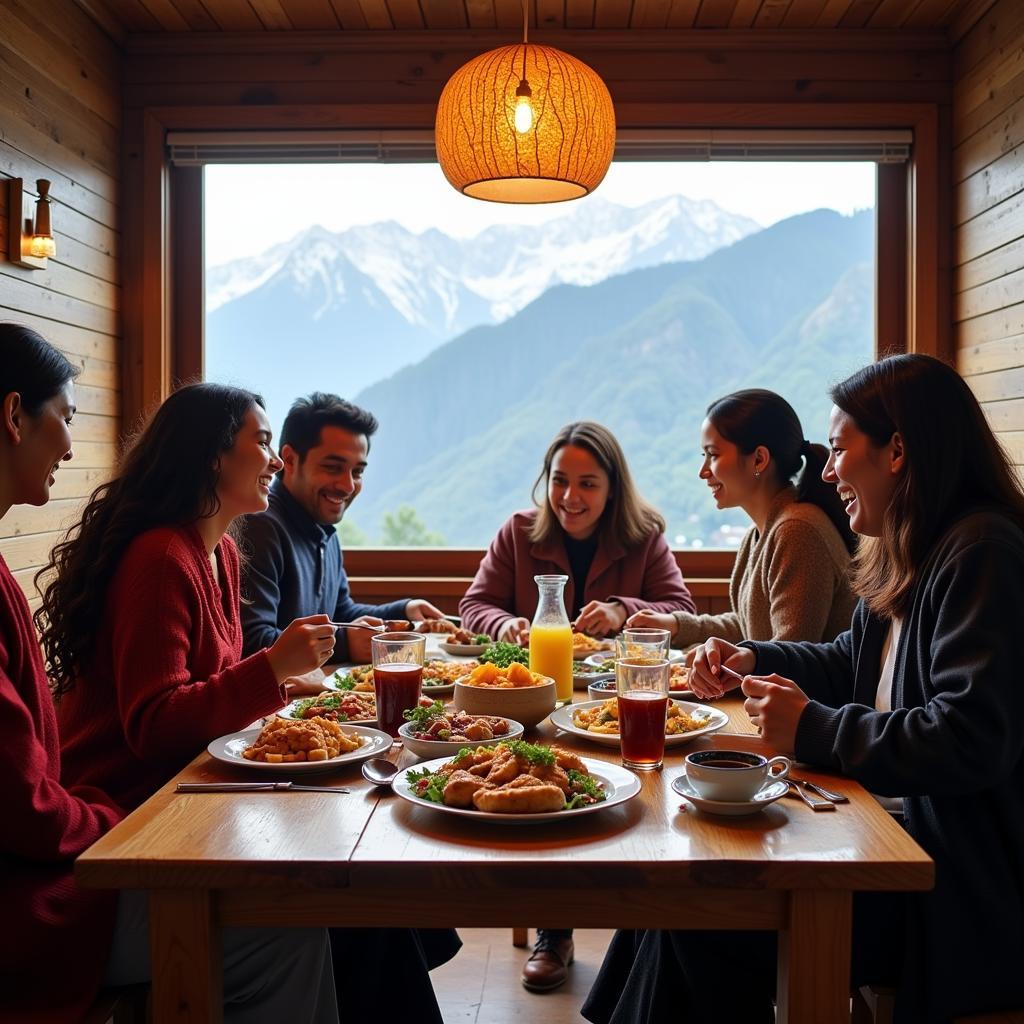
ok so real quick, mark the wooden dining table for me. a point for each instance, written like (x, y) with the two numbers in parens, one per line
(368, 858)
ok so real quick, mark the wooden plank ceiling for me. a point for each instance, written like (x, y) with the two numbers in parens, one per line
(143, 16)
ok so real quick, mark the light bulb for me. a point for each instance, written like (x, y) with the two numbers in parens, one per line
(524, 112)
(42, 246)
(524, 115)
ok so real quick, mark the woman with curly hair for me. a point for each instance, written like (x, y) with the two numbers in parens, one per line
(90, 937)
(142, 627)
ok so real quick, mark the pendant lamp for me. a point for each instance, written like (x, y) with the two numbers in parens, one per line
(525, 124)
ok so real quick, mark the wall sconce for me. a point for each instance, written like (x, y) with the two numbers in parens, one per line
(30, 235)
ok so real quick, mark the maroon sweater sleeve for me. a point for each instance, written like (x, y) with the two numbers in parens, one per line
(662, 589)
(490, 599)
(44, 821)
(178, 678)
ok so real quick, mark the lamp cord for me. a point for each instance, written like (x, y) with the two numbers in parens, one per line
(526, 22)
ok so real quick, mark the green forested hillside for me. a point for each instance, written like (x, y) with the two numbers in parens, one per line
(463, 432)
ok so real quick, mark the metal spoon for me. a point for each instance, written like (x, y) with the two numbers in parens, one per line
(380, 771)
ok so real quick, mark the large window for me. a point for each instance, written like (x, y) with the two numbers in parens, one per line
(474, 331)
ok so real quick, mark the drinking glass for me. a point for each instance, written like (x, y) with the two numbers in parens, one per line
(642, 686)
(642, 644)
(397, 676)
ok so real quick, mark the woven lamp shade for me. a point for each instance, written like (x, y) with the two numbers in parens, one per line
(564, 155)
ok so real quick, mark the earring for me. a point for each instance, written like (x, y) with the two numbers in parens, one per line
(757, 474)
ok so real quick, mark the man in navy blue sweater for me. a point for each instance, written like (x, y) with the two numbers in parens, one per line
(295, 565)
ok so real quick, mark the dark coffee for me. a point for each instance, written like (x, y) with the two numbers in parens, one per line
(724, 763)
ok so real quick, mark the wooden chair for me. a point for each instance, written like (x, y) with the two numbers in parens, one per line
(127, 1005)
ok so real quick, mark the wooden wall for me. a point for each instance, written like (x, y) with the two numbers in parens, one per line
(988, 217)
(60, 118)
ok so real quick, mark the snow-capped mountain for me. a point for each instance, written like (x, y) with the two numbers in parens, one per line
(378, 297)
(424, 275)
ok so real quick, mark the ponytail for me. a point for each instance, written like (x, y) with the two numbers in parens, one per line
(811, 488)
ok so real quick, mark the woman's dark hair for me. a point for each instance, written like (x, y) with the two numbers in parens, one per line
(307, 418)
(32, 367)
(952, 463)
(627, 519)
(756, 417)
(168, 476)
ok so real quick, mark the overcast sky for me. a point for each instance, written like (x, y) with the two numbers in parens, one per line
(250, 208)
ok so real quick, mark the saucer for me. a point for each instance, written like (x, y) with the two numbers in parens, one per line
(734, 808)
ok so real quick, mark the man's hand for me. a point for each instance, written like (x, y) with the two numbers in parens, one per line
(648, 619)
(775, 705)
(600, 618)
(419, 609)
(359, 640)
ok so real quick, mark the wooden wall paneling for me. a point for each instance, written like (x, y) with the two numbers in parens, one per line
(61, 115)
(988, 211)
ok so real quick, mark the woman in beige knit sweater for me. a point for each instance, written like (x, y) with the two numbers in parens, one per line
(790, 578)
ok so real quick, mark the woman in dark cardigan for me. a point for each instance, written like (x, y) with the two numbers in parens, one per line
(920, 701)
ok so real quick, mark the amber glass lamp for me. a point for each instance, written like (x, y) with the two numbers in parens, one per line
(525, 124)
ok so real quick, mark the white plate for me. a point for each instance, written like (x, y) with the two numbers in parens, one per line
(619, 783)
(462, 650)
(229, 750)
(597, 659)
(562, 718)
(607, 647)
(768, 794)
(289, 712)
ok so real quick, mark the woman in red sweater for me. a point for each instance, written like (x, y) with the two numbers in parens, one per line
(141, 625)
(55, 946)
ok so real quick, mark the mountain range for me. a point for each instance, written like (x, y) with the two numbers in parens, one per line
(350, 308)
(464, 430)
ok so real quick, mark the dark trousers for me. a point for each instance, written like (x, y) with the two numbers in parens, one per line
(389, 966)
(653, 977)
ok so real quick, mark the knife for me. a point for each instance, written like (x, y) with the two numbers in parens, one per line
(253, 787)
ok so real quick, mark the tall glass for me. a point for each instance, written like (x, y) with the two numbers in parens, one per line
(642, 687)
(397, 675)
(551, 636)
(643, 644)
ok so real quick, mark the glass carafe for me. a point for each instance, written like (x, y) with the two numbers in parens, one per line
(551, 636)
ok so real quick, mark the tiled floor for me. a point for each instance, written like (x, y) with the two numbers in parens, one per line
(481, 985)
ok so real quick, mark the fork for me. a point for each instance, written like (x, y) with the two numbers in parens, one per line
(836, 798)
(813, 802)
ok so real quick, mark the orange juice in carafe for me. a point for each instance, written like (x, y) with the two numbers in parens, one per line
(551, 636)
(551, 655)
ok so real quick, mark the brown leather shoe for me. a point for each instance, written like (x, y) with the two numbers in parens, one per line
(548, 966)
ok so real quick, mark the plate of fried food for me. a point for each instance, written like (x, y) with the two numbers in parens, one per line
(584, 646)
(286, 746)
(464, 644)
(437, 730)
(514, 783)
(598, 721)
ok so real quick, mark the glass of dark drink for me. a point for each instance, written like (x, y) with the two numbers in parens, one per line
(642, 686)
(397, 676)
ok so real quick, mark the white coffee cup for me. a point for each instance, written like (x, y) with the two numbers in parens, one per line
(734, 775)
